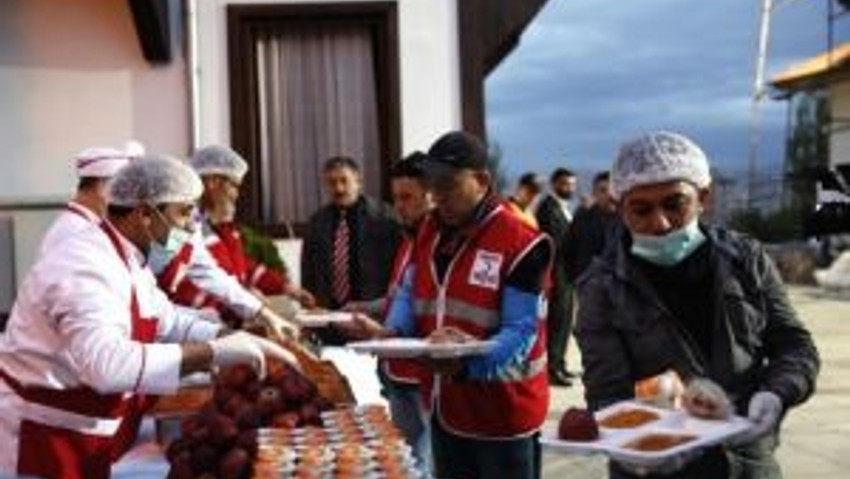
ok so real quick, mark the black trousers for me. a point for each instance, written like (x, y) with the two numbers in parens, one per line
(559, 320)
(457, 457)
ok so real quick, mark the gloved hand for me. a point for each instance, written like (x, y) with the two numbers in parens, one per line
(670, 465)
(764, 411)
(241, 347)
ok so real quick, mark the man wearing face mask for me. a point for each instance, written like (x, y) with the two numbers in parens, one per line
(209, 269)
(554, 216)
(672, 293)
(91, 336)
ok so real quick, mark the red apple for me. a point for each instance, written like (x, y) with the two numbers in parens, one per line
(223, 430)
(234, 465)
(204, 458)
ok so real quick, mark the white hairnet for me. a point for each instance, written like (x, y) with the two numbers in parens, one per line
(104, 161)
(154, 180)
(219, 160)
(659, 157)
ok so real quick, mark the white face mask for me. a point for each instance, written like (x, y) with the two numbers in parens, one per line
(670, 249)
(160, 255)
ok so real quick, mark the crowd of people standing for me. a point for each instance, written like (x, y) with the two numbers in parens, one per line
(146, 279)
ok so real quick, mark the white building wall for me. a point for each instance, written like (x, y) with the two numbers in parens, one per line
(430, 69)
(839, 97)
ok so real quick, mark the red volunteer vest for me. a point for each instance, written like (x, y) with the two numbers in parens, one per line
(51, 452)
(400, 370)
(469, 298)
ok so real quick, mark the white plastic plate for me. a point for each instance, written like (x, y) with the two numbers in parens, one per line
(414, 347)
(320, 319)
(612, 442)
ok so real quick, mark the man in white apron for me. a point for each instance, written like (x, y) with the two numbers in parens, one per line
(91, 335)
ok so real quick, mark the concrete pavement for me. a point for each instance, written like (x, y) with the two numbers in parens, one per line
(815, 436)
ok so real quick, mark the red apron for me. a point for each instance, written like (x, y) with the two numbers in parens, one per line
(51, 452)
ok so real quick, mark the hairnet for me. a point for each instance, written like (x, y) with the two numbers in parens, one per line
(219, 160)
(104, 162)
(154, 180)
(657, 158)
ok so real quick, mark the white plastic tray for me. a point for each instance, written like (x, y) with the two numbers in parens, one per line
(309, 319)
(611, 442)
(414, 347)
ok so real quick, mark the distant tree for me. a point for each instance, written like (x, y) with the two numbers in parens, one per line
(496, 168)
(807, 148)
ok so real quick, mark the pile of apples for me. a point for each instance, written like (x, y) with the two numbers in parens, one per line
(220, 441)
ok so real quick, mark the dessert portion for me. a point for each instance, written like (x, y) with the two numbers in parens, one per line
(449, 335)
(628, 418)
(662, 390)
(706, 400)
(578, 425)
(657, 442)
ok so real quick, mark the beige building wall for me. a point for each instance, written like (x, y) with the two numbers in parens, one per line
(72, 75)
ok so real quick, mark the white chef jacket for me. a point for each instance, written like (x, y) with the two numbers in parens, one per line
(71, 326)
(204, 271)
(73, 219)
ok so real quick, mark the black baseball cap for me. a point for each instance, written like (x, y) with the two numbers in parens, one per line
(455, 151)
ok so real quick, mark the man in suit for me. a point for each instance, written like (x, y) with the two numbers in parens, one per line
(350, 243)
(554, 215)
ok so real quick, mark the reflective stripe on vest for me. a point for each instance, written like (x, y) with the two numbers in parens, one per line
(525, 370)
(460, 311)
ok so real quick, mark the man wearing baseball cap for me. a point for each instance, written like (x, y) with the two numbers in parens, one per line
(94, 167)
(477, 271)
(673, 293)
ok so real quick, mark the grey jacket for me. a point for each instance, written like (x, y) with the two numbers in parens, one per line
(625, 333)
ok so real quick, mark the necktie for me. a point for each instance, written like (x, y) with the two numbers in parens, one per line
(341, 285)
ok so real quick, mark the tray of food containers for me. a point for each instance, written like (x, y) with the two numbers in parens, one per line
(443, 343)
(638, 433)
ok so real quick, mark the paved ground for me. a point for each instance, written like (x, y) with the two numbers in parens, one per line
(816, 436)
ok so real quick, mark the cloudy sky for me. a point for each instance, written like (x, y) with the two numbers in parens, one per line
(589, 74)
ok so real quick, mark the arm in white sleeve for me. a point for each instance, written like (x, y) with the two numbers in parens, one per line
(93, 315)
(178, 324)
(209, 277)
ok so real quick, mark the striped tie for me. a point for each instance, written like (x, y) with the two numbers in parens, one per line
(341, 285)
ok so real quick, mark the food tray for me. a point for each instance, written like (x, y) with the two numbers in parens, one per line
(319, 319)
(613, 442)
(414, 347)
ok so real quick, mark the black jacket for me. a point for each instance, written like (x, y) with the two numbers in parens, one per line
(374, 240)
(586, 238)
(551, 219)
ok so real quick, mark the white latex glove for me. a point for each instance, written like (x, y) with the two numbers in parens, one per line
(764, 411)
(241, 348)
(670, 465)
